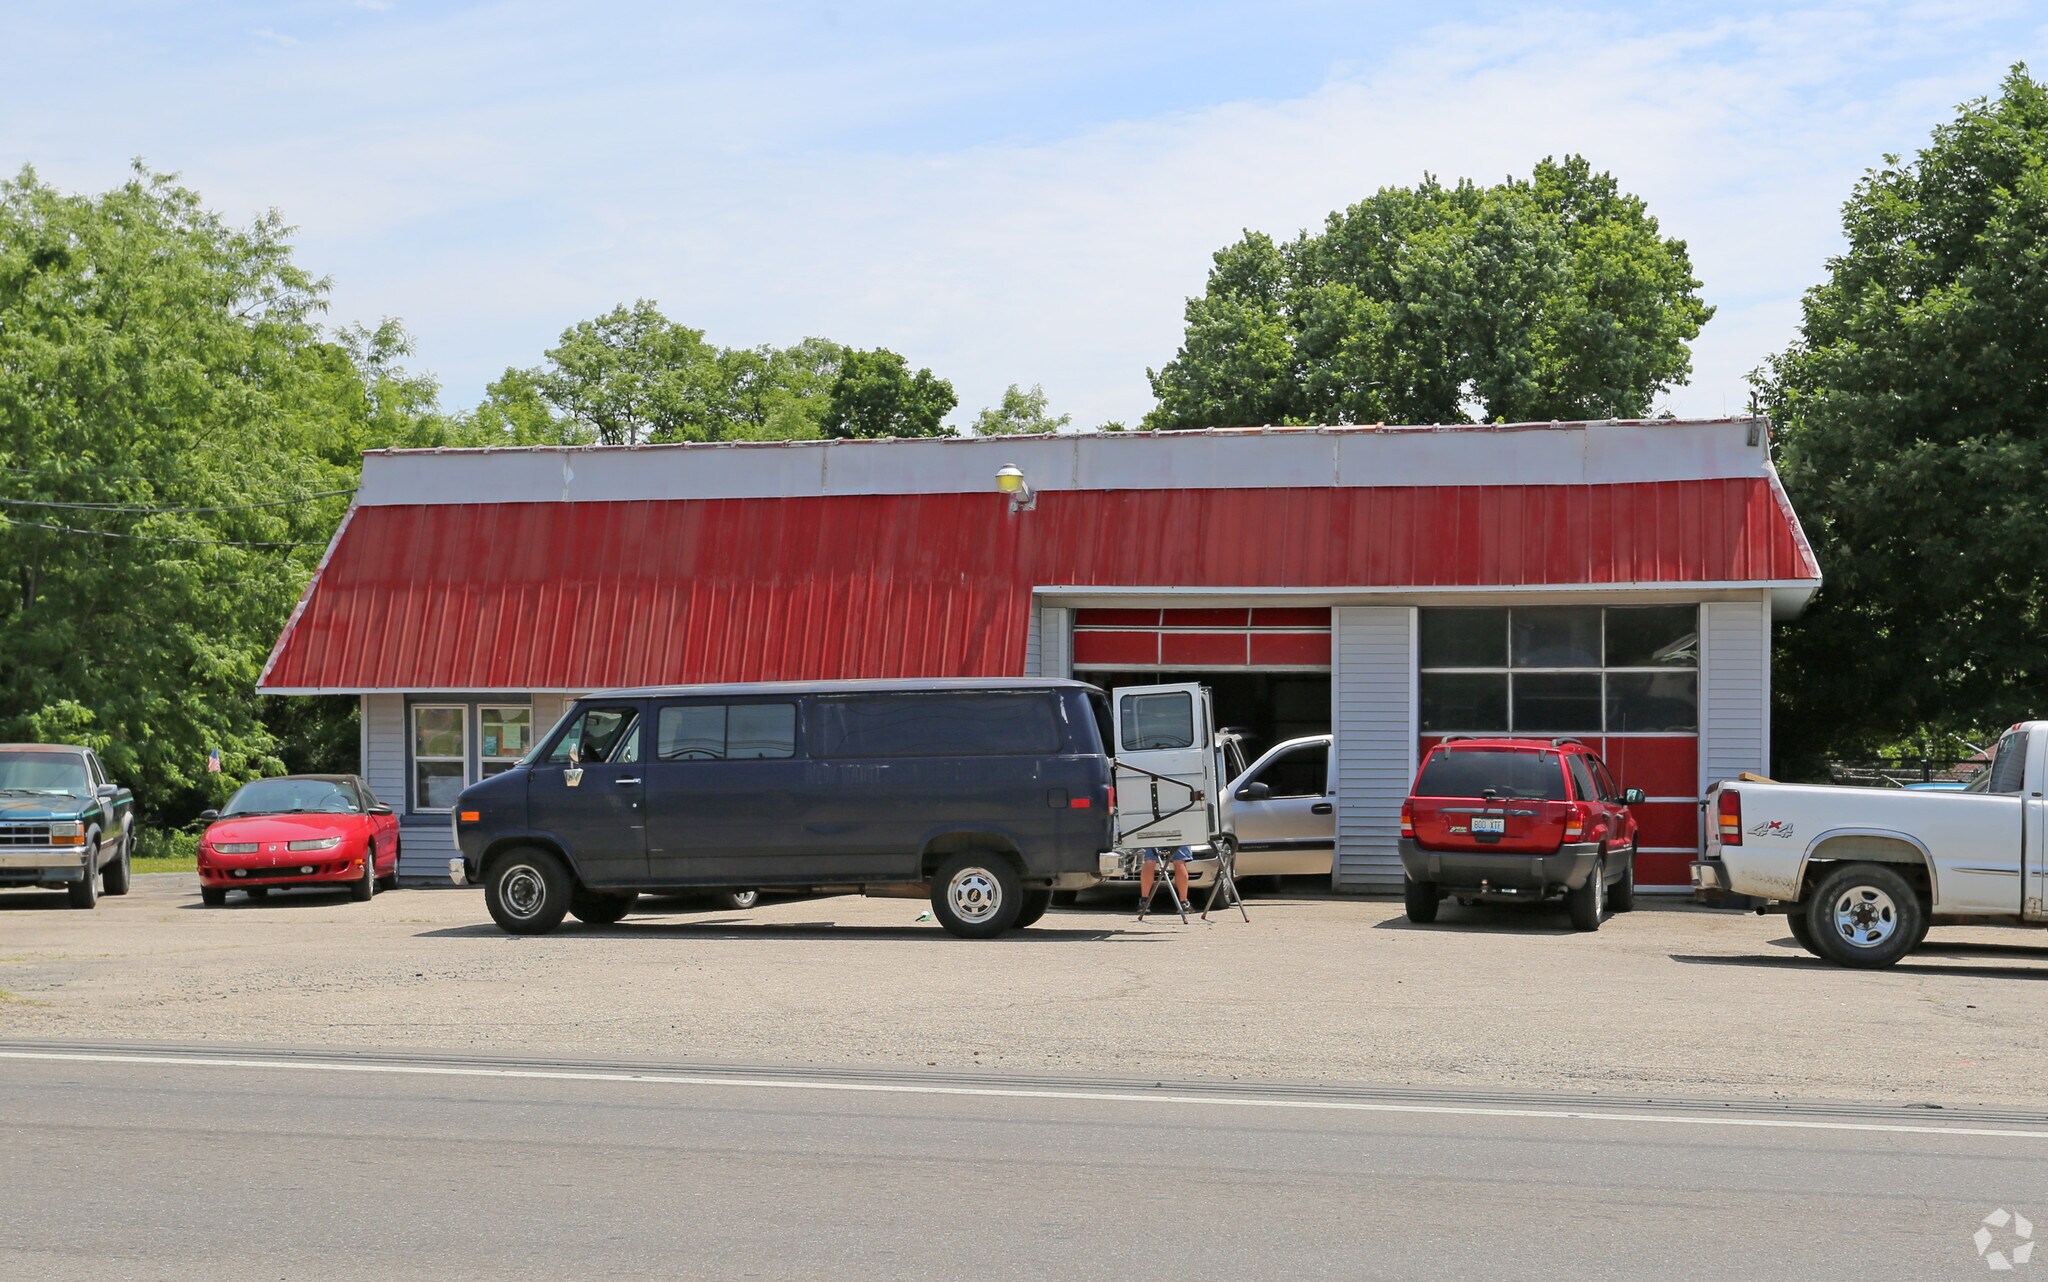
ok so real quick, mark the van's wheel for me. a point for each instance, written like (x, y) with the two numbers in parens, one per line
(364, 888)
(1035, 904)
(85, 892)
(527, 891)
(115, 880)
(594, 908)
(1621, 896)
(1588, 903)
(1866, 916)
(213, 896)
(737, 900)
(1065, 898)
(1422, 898)
(977, 895)
(1802, 934)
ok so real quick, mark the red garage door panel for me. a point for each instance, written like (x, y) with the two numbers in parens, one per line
(1277, 649)
(1655, 868)
(1668, 823)
(1116, 618)
(1660, 767)
(1201, 649)
(1097, 649)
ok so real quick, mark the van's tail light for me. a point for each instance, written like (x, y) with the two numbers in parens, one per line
(1407, 819)
(1730, 816)
(1110, 804)
(1574, 824)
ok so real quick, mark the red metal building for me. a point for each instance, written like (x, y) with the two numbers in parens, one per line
(1612, 580)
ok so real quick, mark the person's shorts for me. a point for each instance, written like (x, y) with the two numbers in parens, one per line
(1179, 854)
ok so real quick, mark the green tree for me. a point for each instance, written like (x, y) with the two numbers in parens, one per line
(1550, 297)
(1020, 414)
(1913, 438)
(875, 394)
(173, 429)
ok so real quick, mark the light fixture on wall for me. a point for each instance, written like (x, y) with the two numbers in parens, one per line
(1010, 480)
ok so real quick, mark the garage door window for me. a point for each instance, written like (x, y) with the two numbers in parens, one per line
(1560, 670)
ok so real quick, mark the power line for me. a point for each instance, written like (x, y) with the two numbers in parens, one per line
(156, 511)
(153, 538)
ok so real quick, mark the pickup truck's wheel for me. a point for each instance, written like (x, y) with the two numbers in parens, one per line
(527, 891)
(85, 892)
(213, 896)
(1802, 933)
(364, 888)
(115, 879)
(1035, 904)
(738, 900)
(977, 895)
(1621, 896)
(1865, 915)
(1588, 903)
(1422, 898)
(595, 908)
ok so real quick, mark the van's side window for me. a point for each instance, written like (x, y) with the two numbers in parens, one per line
(726, 732)
(600, 734)
(1159, 720)
(936, 725)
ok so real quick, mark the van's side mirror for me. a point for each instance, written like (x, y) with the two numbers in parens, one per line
(1255, 792)
(208, 816)
(1632, 797)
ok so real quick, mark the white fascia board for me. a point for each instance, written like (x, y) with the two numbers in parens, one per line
(1277, 458)
(1563, 593)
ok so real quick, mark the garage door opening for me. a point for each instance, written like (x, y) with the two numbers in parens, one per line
(1265, 707)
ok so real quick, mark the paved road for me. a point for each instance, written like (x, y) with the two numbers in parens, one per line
(228, 1165)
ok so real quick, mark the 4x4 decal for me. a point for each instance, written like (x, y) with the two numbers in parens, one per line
(1772, 828)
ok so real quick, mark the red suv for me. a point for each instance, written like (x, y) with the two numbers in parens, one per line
(1508, 819)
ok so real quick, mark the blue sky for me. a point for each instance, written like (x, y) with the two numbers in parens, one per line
(1004, 193)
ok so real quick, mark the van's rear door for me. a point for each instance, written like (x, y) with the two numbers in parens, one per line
(1166, 785)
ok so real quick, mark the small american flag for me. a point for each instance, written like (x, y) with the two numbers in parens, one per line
(213, 762)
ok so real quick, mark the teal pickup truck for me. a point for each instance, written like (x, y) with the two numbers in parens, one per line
(62, 823)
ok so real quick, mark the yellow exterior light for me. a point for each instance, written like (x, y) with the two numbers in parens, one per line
(1010, 479)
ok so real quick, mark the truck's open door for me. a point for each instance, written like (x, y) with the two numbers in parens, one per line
(1166, 766)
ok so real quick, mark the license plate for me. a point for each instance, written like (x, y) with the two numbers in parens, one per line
(1494, 826)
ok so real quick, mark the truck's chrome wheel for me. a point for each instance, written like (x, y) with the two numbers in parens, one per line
(522, 891)
(975, 894)
(1865, 916)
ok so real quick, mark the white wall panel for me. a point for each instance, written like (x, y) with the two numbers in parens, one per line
(1735, 690)
(1373, 715)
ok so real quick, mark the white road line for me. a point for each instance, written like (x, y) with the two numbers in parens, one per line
(1008, 1092)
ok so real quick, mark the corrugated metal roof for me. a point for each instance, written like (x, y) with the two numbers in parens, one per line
(553, 595)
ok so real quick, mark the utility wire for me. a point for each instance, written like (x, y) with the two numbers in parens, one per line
(155, 511)
(153, 538)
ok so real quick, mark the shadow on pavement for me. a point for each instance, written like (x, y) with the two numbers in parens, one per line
(34, 900)
(1904, 968)
(277, 898)
(731, 929)
(1529, 919)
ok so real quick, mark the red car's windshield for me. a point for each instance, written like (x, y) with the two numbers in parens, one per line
(1473, 772)
(293, 796)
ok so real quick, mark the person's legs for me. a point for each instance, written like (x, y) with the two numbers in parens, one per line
(1146, 872)
(1180, 879)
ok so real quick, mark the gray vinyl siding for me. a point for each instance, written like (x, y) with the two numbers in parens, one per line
(1372, 693)
(1052, 652)
(1735, 690)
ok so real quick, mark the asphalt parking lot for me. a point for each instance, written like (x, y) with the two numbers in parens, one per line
(1668, 1000)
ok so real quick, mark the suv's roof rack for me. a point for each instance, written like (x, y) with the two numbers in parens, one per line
(1561, 742)
(1453, 738)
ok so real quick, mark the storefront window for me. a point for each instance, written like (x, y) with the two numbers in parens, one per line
(440, 754)
(1549, 670)
(504, 735)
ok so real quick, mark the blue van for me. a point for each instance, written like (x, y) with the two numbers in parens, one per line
(985, 795)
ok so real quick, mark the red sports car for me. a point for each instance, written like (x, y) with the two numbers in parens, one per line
(298, 830)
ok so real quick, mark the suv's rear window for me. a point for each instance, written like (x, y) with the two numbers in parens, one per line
(937, 725)
(1469, 772)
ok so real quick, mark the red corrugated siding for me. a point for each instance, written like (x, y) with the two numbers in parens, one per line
(575, 595)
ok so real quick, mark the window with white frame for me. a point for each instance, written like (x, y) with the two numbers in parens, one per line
(1559, 669)
(440, 754)
(504, 733)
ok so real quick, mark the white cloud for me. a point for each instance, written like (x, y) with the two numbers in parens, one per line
(441, 174)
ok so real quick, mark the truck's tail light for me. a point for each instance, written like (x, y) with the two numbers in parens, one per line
(1407, 819)
(1574, 824)
(1729, 813)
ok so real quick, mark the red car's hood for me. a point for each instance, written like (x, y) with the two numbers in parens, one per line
(282, 828)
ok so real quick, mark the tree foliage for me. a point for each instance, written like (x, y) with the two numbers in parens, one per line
(1020, 414)
(1913, 416)
(875, 394)
(170, 414)
(633, 375)
(1553, 297)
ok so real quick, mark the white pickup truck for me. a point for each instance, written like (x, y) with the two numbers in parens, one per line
(1861, 873)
